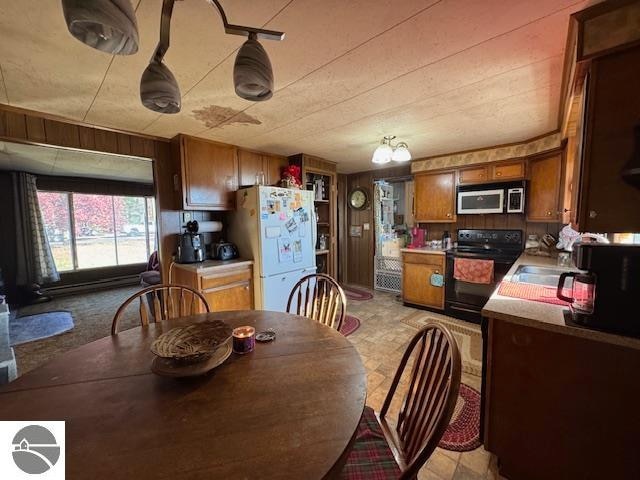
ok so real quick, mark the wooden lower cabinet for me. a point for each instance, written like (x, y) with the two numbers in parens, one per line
(560, 406)
(417, 269)
(225, 285)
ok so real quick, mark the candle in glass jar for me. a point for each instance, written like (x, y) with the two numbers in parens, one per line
(244, 339)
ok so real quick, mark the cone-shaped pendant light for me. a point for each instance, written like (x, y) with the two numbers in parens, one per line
(106, 25)
(159, 90)
(252, 72)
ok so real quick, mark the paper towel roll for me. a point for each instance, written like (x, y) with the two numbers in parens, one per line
(208, 227)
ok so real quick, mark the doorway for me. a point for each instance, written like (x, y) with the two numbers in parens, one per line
(393, 220)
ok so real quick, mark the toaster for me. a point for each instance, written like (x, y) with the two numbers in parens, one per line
(224, 250)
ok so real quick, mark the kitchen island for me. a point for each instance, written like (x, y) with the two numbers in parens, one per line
(558, 401)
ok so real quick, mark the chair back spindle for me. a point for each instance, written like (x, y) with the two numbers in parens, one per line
(162, 302)
(429, 403)
(320, 298)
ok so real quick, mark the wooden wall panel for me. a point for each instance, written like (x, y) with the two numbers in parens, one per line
(59, 133)
(35, 129)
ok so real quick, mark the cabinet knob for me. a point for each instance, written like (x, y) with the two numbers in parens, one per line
(593, 214)
(246, 287)
(548, 214)
(448, 215)
(498, 174)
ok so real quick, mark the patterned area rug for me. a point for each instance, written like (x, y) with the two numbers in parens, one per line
(349, 325)
(357, 294)
(463, 432)
(39, 326)
(468, 336)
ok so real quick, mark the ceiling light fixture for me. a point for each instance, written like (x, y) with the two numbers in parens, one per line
(386, 152)
(110, 26)
(106, 25)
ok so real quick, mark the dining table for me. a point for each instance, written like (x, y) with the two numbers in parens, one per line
(288, 409)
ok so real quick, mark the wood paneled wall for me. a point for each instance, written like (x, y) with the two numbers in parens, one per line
(25, 126)
(360, 250)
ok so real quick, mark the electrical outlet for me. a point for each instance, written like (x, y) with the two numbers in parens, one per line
(186, 217)
(366, 226)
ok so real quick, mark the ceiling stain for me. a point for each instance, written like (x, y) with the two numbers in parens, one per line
(215, 116)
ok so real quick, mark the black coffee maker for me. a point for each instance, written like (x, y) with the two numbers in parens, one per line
(610, 288)
(190, 248)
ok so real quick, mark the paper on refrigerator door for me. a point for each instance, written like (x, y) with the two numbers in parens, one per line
(285, 250)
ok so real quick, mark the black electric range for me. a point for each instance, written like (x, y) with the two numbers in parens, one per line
(465, 300)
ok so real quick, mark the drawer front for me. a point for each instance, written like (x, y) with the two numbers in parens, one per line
(238, 296)
(473, 175)
(424, 258)
(509, 171)
(218, 279)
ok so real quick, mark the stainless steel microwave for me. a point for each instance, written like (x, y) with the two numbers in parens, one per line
(491, 198)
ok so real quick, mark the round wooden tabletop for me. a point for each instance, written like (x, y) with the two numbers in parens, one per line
(289, 409)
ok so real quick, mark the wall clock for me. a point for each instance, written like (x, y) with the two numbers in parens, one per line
(359, 198)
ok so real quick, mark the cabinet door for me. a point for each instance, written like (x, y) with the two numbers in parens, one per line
(249, 164)
(272, 165)
(237, 296)
(209, 174)
(416, 285)
(435, 197)
(508, 171)
(473, 175)
(544, 189)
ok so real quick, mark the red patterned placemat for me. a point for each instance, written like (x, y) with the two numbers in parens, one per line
(530, 291)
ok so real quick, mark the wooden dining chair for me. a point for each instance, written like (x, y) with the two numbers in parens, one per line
(320, 298)
(162, 302)
(382, 450)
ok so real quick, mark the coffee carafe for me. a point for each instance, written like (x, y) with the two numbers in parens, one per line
(583, 293)
(605, 292)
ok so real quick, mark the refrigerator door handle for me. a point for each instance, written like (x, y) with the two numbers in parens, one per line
(314, 227)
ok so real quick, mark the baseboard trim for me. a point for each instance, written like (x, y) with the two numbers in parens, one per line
(116, 282)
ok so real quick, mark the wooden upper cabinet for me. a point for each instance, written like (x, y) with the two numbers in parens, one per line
(473, 175)
(435, 197)
(249, 164)
(209, 174)
(544, 189)
(273, 165)
(508, 170)
(606, 202)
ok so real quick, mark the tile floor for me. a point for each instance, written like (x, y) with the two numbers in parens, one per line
(381, 341)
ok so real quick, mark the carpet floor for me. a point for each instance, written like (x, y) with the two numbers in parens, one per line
(92, 314)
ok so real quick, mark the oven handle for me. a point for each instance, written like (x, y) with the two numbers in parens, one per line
(453, 307)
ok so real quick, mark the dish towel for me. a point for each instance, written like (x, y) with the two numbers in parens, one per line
(473, 270)
(536, 293)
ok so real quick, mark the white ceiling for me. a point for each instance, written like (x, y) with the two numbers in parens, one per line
(71, 163)
(442, 75)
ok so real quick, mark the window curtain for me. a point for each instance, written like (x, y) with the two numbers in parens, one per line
(34, 258)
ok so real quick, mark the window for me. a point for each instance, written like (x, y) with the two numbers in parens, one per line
(92, 231)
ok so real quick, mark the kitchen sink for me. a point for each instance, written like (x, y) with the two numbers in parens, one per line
(539, 276)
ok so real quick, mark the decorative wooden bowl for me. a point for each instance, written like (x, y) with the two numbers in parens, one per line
(170, 368)
(192, 344)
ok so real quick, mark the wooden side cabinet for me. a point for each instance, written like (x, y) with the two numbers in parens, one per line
(225, 285)
(543, 203)
(209, 173)
(417, 289)
(435, 197)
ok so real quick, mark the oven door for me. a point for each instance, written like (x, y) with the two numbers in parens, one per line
(465, 300)
(481, 201)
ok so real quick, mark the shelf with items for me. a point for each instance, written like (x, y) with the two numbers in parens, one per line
(319, 175)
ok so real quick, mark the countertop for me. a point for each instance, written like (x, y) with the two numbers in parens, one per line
(196, 267)
(544, 315)
(436, 251)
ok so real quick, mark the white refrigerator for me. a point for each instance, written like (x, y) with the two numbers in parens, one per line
(276, 227)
